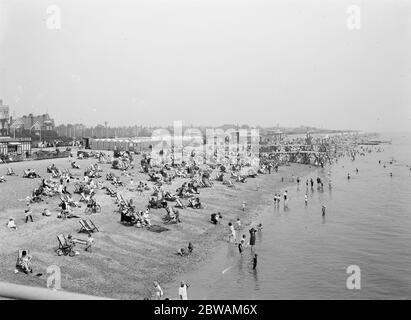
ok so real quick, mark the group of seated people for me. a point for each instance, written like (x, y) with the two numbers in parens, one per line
(216, 217)
(69, 246)
(155, 176)
(187, 189)
(172, 215)
(156, 204)
(30, 173)
(143, 218)
(238, 177)
(55, 172)
(69, 200)
(93, 171)
(116, 181)
(185, 252)
(74, 165)
(46, 188)
(130, 215)
(87, 186)
(141, 187)
(195, 203)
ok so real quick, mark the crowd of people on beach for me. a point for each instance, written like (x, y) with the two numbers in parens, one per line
(158, 177)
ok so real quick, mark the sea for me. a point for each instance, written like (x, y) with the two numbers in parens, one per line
(303, 255)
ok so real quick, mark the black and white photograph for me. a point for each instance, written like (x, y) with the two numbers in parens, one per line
(205, 150)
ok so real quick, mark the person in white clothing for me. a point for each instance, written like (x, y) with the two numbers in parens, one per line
(159, 291)
(182, 291)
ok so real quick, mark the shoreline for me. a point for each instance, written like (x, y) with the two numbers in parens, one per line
(125, 260)
(251, 219)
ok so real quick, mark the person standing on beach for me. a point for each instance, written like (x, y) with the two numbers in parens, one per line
(241, 244)
(182, 291)
(159, 291)
(285, 199)
(238, 222)
(323, 210)
(312, 183)
(232, 233)
(28, 213)
(90, 241)
(252, 238)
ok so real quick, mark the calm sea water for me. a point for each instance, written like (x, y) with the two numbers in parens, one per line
(303, 256)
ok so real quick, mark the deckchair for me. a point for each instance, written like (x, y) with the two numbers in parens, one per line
(179, 204)
(78, 188)
(64, 198)
(84, 198)
(92, 225)
(63, 247)
(120, 199)
(85, 226)
(10, 172)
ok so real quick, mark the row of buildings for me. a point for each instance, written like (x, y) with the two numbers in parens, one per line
(17, 134)
(25, 126)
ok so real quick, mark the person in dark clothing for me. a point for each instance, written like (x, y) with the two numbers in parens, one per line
(190, 247)
(255, 261)
(252, 237)
(28, 213)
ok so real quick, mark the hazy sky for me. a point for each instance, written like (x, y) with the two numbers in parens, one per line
(209, 62)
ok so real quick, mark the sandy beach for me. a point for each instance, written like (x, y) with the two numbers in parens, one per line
(125, 260)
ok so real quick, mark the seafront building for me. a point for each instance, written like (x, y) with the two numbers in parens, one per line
(15, 146)
(4, 119)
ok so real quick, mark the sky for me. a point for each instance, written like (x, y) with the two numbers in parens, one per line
(209, 62)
